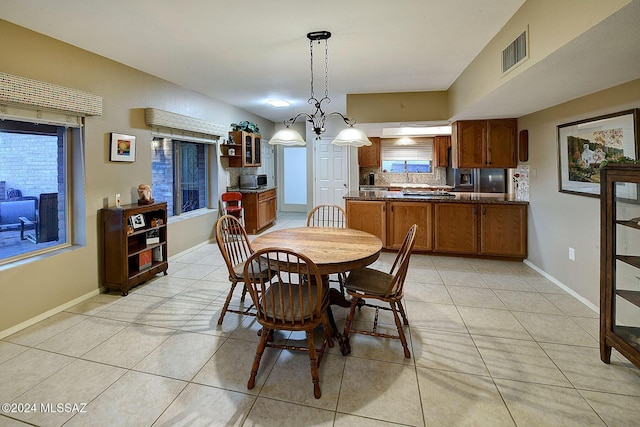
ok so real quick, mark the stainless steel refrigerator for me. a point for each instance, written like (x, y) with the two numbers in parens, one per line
(490, 180)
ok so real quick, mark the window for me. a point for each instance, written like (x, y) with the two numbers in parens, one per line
(406, 155)
(33, 188)
(179, 174)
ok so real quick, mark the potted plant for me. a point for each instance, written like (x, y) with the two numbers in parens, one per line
(245, 126)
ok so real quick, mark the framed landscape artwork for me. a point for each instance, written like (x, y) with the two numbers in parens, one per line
(585, 144)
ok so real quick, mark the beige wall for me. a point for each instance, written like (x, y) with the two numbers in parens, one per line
(398, 107)
(552, 24)
(557, 220)
(36, 287)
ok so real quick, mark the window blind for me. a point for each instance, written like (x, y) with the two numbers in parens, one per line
(395, 149)
(168, 124)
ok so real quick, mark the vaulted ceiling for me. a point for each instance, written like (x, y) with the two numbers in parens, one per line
(245, 52)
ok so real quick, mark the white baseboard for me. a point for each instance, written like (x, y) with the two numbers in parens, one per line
(60, 308)
(56, 310)
(563, 287)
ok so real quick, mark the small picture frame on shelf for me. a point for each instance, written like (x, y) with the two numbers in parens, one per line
(137, 221)
(153, 236)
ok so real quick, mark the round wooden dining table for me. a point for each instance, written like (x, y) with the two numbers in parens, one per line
(333, 250)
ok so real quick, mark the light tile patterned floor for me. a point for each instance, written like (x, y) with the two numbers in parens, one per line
(493, 343)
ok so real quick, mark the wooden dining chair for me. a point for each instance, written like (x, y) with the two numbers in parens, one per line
(295, 299)
(373, 284)
(235, 248)
(327, 216)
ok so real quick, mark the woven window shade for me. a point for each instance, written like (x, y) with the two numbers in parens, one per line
(167, 122)
(421, 149)
(24, 92)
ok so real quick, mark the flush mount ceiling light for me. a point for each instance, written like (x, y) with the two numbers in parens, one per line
(349, 136)
(278, 103)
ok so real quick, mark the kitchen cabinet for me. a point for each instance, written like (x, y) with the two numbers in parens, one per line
(247, 147)
(441, 146)
(401, 216)
(134, 245)
(369, 156)
(484, 143)
(260, 209)
(503, 230)
(455, 228)
(497, 230)
(369, 216)
(620, 262)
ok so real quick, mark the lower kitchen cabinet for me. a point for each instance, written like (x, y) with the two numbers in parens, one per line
(455, 228)
(401, 216)
(369, 216)
(484, 229)
(259, 210)
(503, 230)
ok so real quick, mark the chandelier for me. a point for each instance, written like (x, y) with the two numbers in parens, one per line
(349, 136)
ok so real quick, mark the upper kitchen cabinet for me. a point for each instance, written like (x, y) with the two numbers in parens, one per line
(484, 143)
(369, 156)
(249, 146)
(441, 145)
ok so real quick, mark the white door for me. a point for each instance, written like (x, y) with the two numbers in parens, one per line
(331, 173)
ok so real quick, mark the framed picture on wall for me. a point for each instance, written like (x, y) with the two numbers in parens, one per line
(123, 148)
(585, 144)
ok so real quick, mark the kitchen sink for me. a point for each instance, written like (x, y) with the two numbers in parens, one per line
(432, 193)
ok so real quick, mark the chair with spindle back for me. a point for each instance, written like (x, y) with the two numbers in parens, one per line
(235, 247)
(294, 299)
(385, 287)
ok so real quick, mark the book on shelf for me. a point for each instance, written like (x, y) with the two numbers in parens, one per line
(144, 260)
(157, 254)
(153, 236)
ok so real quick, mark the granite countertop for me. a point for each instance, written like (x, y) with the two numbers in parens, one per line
(248, 190)
(409, 185)
(454, 197)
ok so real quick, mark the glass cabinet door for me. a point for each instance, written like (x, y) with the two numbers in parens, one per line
(256, 149)
(626, 271)
(248, 149)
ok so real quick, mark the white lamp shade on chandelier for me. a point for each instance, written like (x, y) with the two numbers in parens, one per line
(349, 136)
(288, 137)
(352, 137)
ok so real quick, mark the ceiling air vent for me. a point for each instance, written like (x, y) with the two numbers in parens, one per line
(516, 53)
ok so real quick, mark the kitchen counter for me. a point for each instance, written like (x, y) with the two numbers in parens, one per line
(252, 190)
(454, 197)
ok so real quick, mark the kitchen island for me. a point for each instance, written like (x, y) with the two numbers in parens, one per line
(491, 225)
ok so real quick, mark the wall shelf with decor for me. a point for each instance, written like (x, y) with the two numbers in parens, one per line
(246, 149)
(134, 245)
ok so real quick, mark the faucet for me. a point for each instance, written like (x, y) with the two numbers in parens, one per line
(406, 175)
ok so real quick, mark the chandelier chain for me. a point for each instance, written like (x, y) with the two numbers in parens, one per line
(311, 53)
(326, 68)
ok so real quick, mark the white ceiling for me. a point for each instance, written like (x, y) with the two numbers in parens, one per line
(241, 52)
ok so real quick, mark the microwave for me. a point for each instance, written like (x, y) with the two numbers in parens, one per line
(252, 182)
